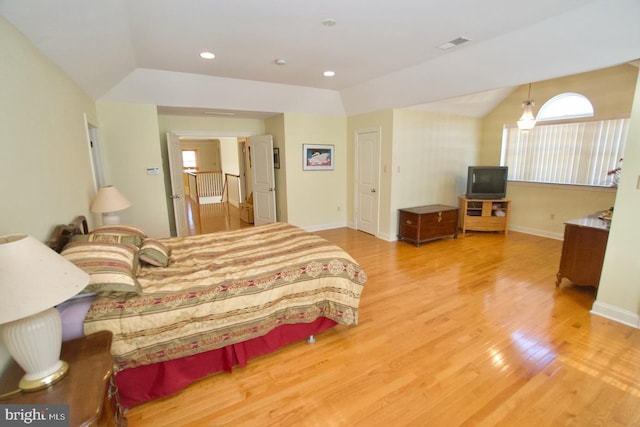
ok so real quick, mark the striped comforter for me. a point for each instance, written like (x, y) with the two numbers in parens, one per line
(224, 288)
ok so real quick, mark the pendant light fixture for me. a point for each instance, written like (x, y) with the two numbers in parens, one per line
(528, 120)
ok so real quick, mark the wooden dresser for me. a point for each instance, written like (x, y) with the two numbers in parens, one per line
(585, 241)
(88, 388)
(423, 223)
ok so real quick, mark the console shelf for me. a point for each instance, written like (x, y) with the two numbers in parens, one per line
(484, 214)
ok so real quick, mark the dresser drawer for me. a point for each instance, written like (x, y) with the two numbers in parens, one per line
(486, 223)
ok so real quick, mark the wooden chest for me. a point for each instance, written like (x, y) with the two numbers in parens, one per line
(423, 223)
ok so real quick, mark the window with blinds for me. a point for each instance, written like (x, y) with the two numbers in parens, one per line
(190, 160)
(580, 153)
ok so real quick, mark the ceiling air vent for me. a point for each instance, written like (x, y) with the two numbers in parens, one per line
(453, 43)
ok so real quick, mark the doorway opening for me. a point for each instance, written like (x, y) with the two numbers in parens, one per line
(229, 154)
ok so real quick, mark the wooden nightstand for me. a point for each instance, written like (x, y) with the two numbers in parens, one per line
(88, 388)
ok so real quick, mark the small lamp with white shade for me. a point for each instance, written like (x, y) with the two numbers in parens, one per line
(108, 202)
(33, 279)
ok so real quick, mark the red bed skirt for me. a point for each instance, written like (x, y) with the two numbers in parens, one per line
(148, 382)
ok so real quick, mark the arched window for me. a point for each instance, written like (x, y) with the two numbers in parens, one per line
(565, 106)
(570, 151)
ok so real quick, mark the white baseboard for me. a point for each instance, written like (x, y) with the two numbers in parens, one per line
(321, 227)
(537, 232)
(383, 236)
(616, 314)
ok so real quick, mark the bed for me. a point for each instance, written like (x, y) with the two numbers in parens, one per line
(182, 308)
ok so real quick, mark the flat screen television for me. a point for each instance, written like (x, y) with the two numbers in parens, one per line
(487, 182)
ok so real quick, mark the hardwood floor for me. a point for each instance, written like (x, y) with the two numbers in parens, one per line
(211, 217)
(465, 332)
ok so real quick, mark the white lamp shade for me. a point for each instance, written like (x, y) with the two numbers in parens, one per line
(109, 199)
(34, 277)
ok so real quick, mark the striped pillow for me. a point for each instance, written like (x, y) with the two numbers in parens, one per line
(112, 267)
(107, 238)
(154, 252)
(123, 230)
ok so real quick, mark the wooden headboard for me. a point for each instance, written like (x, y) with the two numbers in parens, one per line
(63, 233)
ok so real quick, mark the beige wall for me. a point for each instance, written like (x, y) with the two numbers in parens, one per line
(315, 199)
(208, 153)
(130, 143)
(205, 126)
(541, 208)
(46, 175)
(431, 154)
(45, 165)
(619, 291)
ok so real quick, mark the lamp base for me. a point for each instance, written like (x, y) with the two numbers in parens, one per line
(110, 218)
(35, 343)
(40, 383)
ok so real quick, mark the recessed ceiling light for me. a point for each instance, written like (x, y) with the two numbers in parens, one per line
(280, 61)
(207, 55)
(329, 22)
(329, 73)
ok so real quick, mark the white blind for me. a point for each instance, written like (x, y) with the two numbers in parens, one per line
(570, 153)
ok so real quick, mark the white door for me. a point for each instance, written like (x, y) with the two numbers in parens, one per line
(367, 171)
(174, 153)
(263, 179)
(245, 171)
(95, 153)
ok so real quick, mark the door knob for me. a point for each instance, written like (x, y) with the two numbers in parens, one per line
(373, 190)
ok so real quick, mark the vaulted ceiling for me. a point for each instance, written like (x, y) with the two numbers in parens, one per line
(384, 53)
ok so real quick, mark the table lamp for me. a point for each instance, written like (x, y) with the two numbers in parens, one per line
(33, 279)
(108, 201)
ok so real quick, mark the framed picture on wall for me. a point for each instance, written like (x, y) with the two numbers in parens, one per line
(317, 157)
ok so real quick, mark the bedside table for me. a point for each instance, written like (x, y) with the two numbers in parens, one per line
(88, 388)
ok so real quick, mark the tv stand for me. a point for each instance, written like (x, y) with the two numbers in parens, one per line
(484, 214)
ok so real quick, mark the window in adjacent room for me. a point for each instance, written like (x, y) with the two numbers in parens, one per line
(571, 152)
(190, 160)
